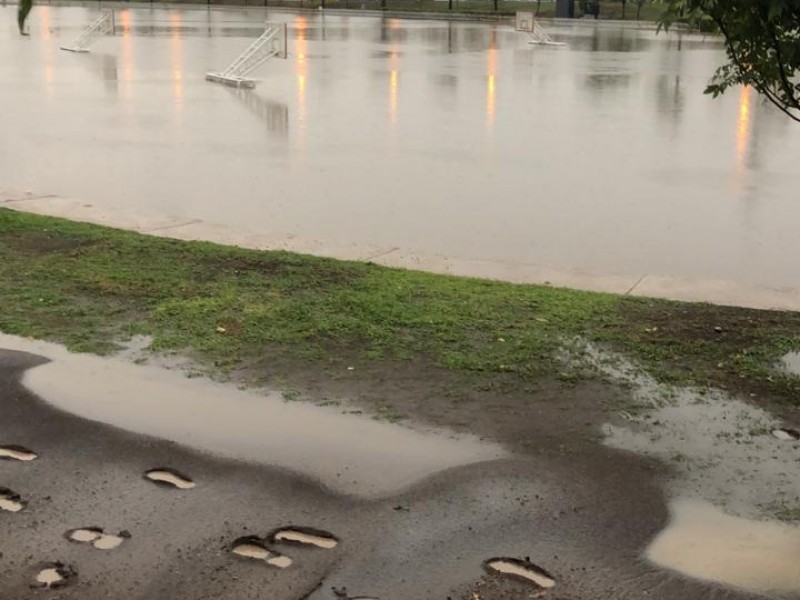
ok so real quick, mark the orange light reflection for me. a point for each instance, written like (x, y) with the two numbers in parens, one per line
(491, 84)
(743, 127)
(124, 18)
(176, 55)
(301, 66)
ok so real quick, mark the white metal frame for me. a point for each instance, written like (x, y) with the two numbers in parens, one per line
(526, 21)
(103, 25)
(271, 44)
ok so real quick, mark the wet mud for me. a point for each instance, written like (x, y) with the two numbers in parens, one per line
(562, 508)
(321, 443)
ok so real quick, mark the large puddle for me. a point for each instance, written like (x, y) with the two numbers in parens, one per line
(736, 471)
(722, 449)
(704, 542)
(349, 453)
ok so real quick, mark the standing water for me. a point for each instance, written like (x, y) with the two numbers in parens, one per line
(387, 139)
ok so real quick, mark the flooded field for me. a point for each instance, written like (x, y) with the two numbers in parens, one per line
(394, 139)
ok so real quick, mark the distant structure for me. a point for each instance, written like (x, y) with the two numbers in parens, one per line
(565, 9)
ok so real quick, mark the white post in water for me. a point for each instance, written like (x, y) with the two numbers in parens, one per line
(271, 44)
(103, 25)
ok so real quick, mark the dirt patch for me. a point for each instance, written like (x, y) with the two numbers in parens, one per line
(547, 416)
(319, 273)
(45, 244)
(718, 346)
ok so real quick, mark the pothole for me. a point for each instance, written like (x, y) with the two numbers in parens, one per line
(786, 435)
(306, 536)
(97, 538)
(521, 569)
(10, 501)
(170, 477)
(54, 575)
(254, 548)
(15, 452)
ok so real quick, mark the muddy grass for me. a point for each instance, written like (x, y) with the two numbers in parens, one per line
(454, 343)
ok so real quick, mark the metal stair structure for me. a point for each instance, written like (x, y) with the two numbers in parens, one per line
(271, 44)
(526, 21)
(102, 26)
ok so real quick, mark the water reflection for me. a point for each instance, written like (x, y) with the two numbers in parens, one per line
(491, 74)
(274, 114)
(106, 65)
(743, 128)
(44, 13)
(123, 24)
(49, 73)
(607, 81)
(301, 69)
(176, 56)
(391, 30)
(617, 40)
(393, 86)
(450, 36)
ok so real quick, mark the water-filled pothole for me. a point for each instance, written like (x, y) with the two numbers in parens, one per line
(97, 538)
(15, 452)
(54, 575)
(306, 536)
(786, 435)
(254, 548)
(10, 501)
(170, 477)
(521, 569)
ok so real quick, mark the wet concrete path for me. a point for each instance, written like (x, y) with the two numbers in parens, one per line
(585, 516)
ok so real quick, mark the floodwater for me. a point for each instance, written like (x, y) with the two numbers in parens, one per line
(733, 481)
(720, 449)
(704, 542)
(351, 454)
(403, 139)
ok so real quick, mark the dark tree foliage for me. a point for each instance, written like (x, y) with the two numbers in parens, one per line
(762, 40)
